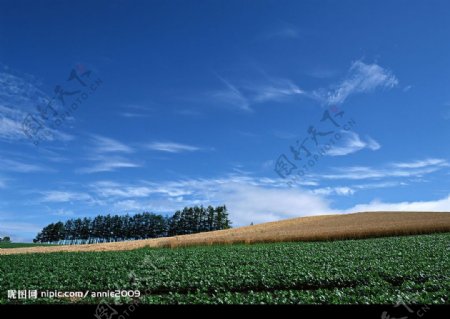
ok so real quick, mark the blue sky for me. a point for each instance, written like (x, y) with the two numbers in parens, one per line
(193, 102)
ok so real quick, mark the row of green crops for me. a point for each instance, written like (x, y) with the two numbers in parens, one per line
(413, 268)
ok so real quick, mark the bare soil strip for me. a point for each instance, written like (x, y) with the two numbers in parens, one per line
(314, 228)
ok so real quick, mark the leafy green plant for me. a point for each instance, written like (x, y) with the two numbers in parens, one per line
(340, 272)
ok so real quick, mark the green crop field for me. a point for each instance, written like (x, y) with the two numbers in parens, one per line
(415, 269)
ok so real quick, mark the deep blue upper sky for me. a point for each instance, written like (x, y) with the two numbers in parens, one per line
(193, 102)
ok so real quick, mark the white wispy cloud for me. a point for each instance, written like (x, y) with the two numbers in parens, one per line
(172, 147)
(106, 155)
(249, 93)
(351, 142)
(249, 199)
(407, 169)
(439, 205)
(423, 163)
(133, 115)
(237, 191)
(108, 164)
(113, 189)
(136, 111)
(261, 204)
(379, 185)
(104, 144)
(257, 204)
(20, 87)
(352, 189)
(21, 167)
(130, 205)
(275, 90)
(407, 88)
(10, 129)
(63, 212)
(19, 96)
(231, 95)
(64, 196)
(361, 78)
(341, 190)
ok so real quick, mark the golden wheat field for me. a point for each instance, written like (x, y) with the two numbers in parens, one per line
(314, 228)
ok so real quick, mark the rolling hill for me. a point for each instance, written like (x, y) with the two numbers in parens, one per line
(313, 228)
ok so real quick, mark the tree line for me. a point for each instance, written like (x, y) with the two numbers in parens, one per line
(111, 228)
(5, 239)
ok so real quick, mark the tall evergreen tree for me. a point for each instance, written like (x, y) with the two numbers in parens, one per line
(146, 225)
